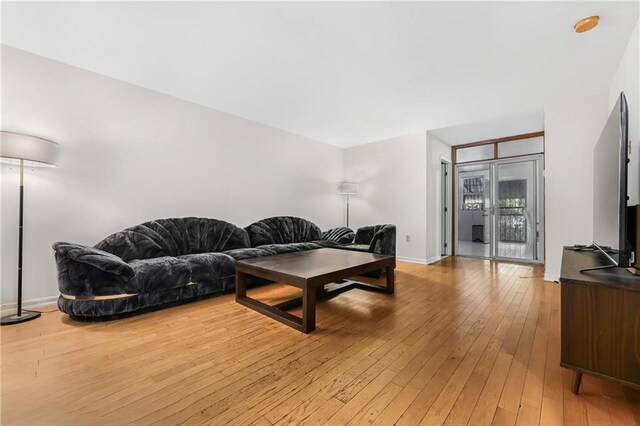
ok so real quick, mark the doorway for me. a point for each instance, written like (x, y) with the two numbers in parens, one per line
(499, 211)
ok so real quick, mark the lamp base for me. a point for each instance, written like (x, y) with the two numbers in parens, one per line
(17, 319)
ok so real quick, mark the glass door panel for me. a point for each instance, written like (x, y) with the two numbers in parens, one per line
(474, 207)
(517, 210)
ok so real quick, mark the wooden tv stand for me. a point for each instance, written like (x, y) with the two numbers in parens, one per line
(600, 320)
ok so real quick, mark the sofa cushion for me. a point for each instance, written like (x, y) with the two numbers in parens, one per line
(247, 253)
(324, 243)
(209, 267)
(356, 247)
(160, 273)
(174, 237)
(282, 230)
(289, 248)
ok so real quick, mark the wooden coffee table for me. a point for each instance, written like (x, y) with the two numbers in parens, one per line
(310, 270)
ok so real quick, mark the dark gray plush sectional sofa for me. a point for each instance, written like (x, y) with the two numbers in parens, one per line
(379, 239)
(170, 261)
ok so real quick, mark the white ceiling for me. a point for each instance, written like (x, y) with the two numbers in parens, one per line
(491, 129)
(341, 73)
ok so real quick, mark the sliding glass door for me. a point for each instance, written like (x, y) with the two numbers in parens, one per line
(499, 209)
(474, 198)
(517, 213)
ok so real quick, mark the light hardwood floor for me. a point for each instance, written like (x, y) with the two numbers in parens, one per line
(461, 341)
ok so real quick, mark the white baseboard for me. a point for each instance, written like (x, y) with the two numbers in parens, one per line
(412, 260)
(32, 303)
(419, 260)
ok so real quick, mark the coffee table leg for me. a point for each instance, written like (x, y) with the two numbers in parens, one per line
(241, 286)
(308, 309)
(391, 278)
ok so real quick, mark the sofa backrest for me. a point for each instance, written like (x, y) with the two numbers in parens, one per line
(340, 235)
(174, 237)
(381, 238)
(282, 230)
(365, 234)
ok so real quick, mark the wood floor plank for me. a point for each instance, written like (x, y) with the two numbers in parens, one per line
(621, 413)
(435, 374)
(512, 304)
(574, 408)
(321, 415)
(597, 407)
(467, 398)
(447, 398)
(377, 405)
(361, 399)
(462, 341)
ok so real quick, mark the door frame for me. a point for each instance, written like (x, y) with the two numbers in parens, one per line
(539, 200)
(456, 205)
(494, 142)
(540, 206)
(446, 212)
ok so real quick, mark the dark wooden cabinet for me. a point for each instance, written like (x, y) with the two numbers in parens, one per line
(600, 325)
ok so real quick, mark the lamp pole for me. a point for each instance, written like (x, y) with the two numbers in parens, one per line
(20, 315)
(348, 189)
(32, 151)
(347, 209)
(20, 227)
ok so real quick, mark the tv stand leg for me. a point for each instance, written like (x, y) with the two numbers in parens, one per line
(577, 380)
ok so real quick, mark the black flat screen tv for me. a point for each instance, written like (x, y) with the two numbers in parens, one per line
(610, 169)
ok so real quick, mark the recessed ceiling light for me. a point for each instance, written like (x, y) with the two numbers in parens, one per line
(586, 24)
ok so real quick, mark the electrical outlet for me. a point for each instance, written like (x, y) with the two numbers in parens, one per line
(408, 238)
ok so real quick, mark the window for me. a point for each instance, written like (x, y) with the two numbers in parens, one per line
(474, 153)
(512, 146)
(473, 193)
(512, 200)
(521, 147)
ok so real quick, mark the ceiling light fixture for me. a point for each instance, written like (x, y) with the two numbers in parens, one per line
(586, 24)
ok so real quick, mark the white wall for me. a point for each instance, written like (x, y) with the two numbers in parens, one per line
(392, 178)
(572, 129)
(436, 151)
(627, 80)
(129, 155)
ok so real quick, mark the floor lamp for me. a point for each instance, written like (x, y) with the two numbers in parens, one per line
(24, 151)
(348, 188)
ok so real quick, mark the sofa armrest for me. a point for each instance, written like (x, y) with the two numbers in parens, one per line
(340, 235)
(99, 259)
(384, 240)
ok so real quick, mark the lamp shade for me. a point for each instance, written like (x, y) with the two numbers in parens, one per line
(36, 152)
(348, 188)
